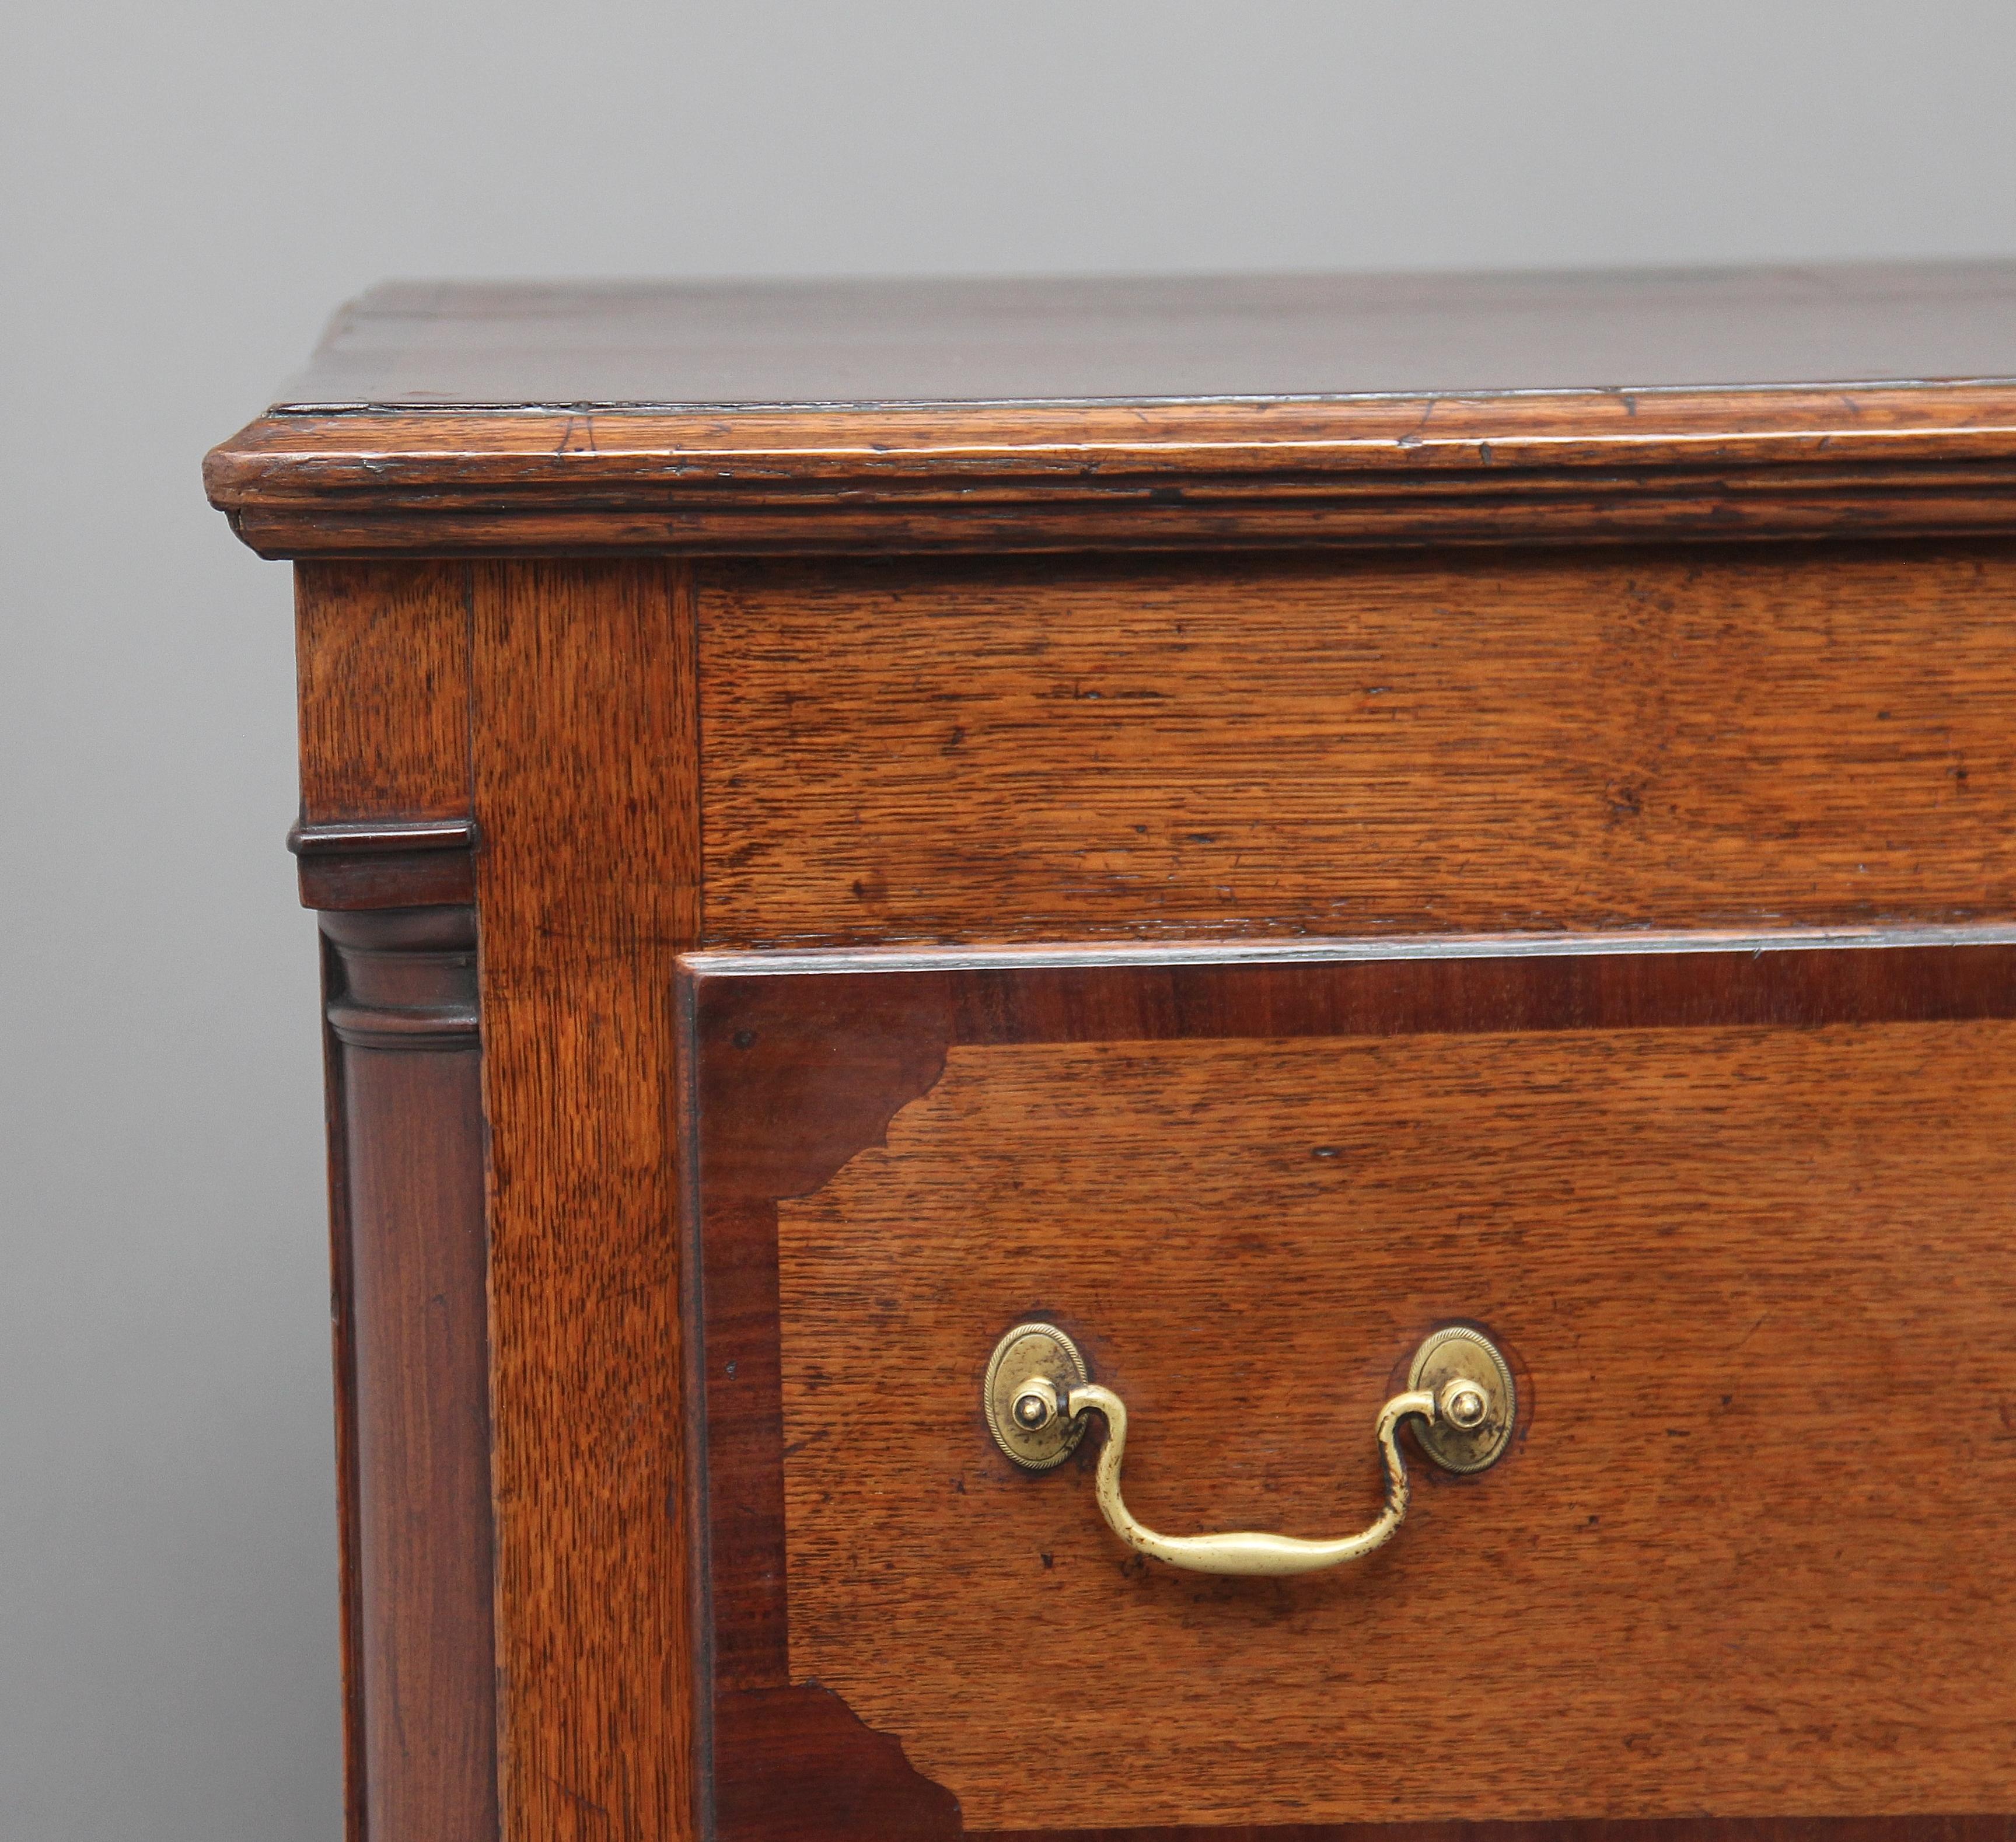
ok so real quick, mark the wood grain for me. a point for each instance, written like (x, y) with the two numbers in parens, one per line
(1753, 1179)
(1652, 1626)
(407, 1091)
(1004, 751)
(585, 770)
(382, 654)
(531, 483)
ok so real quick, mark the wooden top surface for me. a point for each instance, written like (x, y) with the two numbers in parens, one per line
(531, 418)
(858, 344)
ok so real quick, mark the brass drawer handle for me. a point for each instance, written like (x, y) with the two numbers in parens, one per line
(1037, 1393)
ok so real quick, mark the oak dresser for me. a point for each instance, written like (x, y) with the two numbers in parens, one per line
(1219, 1060)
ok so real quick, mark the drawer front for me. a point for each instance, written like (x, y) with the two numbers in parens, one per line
(1744, 1222)
(1064, 748)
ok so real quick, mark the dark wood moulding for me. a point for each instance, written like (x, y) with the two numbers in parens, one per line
(387, 864)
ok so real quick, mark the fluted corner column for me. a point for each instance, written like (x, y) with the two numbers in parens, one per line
(411, 1260)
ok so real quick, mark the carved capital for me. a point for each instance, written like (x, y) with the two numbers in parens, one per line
(386, 863)
(405, 978)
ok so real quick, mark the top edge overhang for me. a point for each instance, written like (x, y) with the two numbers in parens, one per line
(468, 418)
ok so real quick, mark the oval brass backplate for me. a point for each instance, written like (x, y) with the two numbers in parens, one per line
(1027, 1351)
(1456, 1352)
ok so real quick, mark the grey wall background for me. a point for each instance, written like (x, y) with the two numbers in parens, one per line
(189, 188)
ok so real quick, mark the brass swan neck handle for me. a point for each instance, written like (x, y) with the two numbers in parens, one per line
(1247, 1551)
(1039, 1394)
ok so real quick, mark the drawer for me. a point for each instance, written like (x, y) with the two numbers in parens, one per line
(1008, 750)
(1741, 1218)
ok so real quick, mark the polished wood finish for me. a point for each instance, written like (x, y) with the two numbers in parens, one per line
(1602, 466)
(413, 1329)
(1241, 745)
(390, 864)
(1518, 764)
(808, 1767)
(1000, 416)
(1151, 339)
(586, 770)
(539, 696)
(1162, 1157)
(383, 678)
